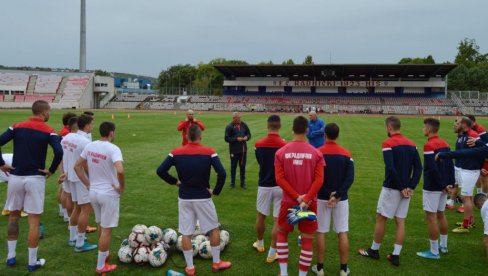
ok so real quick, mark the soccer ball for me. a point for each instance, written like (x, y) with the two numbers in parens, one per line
(153, 234)
(179, 244)
(125, 242)
(205, 250)
(162, 245)
(141, 254)
(157, 257)
(125, 254)
(198, 230)
(139, 228)
(225, 236)
(169, 236)
(137, 239)
(195, 247)
(200, 239)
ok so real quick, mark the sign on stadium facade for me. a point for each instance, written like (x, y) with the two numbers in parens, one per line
(309, 83)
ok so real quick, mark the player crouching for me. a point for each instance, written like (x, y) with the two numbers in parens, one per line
(193, 163)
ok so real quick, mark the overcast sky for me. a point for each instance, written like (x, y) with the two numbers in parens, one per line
(146, 36)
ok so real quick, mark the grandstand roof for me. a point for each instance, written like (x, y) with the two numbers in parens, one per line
(338, 71)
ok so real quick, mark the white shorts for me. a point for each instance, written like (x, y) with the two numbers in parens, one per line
(26, 193)
(434, 201)
(79, 193)
(339, 214)
(392, 204)
(106, 209)
(457, 176)
(468, 179)
(66, 187)
(189, 211)
(269, 196)
(72, 190)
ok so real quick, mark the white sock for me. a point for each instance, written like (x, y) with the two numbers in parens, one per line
(188, 258)
(302, 273)
(434, 247)
(260, 242)
(397, 249)
(272, 252)
(375, 246)
(101, 259)
(72, 232)
(60, 208)
(450, 202)
(12, 245)
(65, 213)
(443, 239)
(33, 256)
(216, 254)
(283, 269)
(80, 239)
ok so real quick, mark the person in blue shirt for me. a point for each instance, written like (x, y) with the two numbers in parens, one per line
(316, 130)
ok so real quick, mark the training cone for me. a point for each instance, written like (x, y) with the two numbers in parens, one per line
(113, 117)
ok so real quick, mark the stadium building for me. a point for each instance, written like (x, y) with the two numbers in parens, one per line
(19, 89)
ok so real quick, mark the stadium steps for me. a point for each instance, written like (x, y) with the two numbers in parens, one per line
(59, 91)
(31, 85)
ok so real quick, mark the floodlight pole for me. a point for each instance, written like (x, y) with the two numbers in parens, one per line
(83, 37)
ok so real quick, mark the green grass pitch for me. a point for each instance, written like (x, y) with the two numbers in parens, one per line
(146, 138)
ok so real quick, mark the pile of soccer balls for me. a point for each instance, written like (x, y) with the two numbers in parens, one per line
(147, 245)
(201, 243)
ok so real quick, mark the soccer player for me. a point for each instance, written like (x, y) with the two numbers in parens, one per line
(438, 180)
(467, 172)
(481, 202)
(299, 171)
(27, 180)
(316, 130)
(186, 123)
(269, 194)
(73, 145)
(237, 133)
(193, 164)
(482, 184)
(106, 183)
(333, 203)
(67, 196)
(402, 174)
(63, 212)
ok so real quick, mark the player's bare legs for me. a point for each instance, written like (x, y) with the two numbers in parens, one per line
(343, 247)
(432, 226)
(217, 264)
(320, 247)
(12, 236)
(260, 229)
(33, 239)
(274, 233)
(484, 184)
(379, 231)
(400, 231)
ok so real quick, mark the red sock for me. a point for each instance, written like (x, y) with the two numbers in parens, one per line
(282, 247)
(471, 220)
(465, 222)
(306, 254)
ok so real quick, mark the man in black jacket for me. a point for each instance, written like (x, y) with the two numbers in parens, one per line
(236, 134)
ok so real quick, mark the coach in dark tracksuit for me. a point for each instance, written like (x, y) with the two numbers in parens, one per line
(236, 134)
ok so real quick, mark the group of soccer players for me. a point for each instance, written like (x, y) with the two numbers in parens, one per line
(91, 172)
(294, 175)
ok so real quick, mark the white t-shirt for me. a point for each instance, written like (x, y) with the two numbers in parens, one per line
(484, 216)
(73, 144)
(87, 135)
(7, 157)
(101, 157)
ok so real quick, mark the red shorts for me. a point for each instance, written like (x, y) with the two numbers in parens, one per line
(304, 226)
(485, 166)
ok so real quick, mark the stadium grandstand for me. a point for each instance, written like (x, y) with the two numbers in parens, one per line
(19, 89)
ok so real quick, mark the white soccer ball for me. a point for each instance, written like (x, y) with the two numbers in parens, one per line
(225, 236)
(200, 239)
(141, 254)
(125, 242)
(157, 257)
(198, 230)
(170, 236)
(125, 254)
(153, 234)
(205, 250)
(137, 239)
(179, 243)
(139, 228)
(195, 248)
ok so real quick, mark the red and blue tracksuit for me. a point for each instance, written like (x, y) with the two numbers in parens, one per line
(193, 163)
(339, 173)
(402, 163)
(265, 150)
(31, 139)
(467, 163)
(437, 174)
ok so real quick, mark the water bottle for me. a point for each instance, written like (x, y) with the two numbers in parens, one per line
(174, 273)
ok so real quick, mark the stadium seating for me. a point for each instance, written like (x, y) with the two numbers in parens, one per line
(75, 86)
(13, 82)
(47, 84)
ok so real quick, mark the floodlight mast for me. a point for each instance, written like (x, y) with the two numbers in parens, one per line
(83, 37)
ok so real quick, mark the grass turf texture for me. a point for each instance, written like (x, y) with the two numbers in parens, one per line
(147, 137)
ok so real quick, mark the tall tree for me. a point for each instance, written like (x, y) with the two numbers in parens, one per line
(418, 60)
(469, 53)
(288, 62)
(308, 60)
